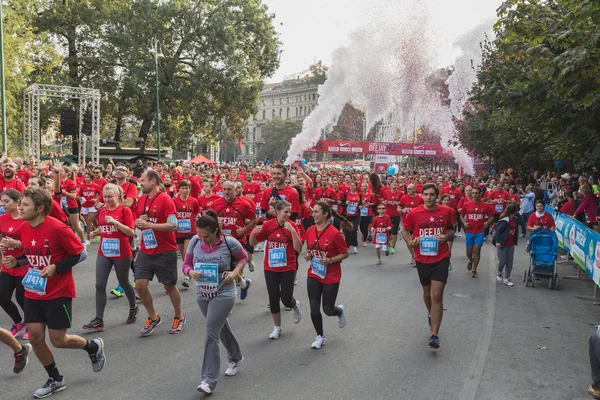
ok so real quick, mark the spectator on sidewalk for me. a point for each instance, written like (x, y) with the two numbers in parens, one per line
(568, 208)
(594, 352)
(586, 211)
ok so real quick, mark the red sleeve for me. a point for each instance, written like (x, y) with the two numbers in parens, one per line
(169, 206)
(531, 220)
(407, 222)
(69, 241)
(262, 235)
(128, 217)
(248, 212)
(131, 191)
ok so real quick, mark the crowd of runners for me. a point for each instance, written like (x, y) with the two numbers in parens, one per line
(203, 225)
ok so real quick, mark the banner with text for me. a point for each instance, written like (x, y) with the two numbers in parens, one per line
(395, 149)
(580, 241)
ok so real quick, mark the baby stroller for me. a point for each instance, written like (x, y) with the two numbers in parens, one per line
(543, 252)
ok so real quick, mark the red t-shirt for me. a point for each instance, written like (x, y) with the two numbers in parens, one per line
(46, 244)
(278, 237)
(343, 188)
(546, 221)
(367, 198)
(353, 204)
(101, 182)
(57, 212)
(24, 176)
(391, 200)
(326, 244)
(195, 188)
(206, 203)
(430, 223)
(497, 195)
(455, 196)
(15, 183)
(233, 215)
(69, 186)
(130, 192)
(382, 225)
(408, 203)
(90, 192)
(510, 240)
(419, 187)
(476, 215)
(9, 227)
(158, 209)
(568, 208)
(123, 215)
(288, 194)
(186, 210)
(328, 195)
(251, 190)
(218, 190)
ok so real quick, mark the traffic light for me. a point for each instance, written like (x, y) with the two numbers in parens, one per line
(68, 123)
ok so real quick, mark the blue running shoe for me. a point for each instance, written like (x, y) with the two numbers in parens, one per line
(118, 291)
(244, 292)
(429, 322)
(434, 342)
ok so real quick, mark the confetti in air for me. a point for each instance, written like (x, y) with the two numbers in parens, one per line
(383, 71)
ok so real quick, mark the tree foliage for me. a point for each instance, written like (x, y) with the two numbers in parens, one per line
(215, 57)
(537, 95)
(277, 135)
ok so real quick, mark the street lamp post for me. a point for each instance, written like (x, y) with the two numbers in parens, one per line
(364, 136)
(4, 144)
(157, 53)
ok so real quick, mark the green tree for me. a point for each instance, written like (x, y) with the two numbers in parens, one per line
(277, 135)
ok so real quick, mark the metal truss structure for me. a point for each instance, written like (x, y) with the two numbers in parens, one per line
(89, 100)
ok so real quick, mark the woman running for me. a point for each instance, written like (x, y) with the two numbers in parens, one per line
(187, 212)
(350, 202)
(115, 228)
(11, 278)
(214, 261)
(65, 187)
(283, 243)
(88, 195)
(326, 248)
(366, 211)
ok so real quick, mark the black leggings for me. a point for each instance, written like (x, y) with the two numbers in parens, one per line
(316, 291)
(458, 222)
(8, 285)
(364, 227)
(280, 286)
(351, 236)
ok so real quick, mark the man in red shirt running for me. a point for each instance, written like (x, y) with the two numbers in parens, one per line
(51, 250)
(407, 203)
(476, 216)
(432, 225)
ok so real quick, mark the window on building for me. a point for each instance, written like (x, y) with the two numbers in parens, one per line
(273, 101)
(264, 114)
(280, 113)
(288, 113)
(296, 112)
(273, 114)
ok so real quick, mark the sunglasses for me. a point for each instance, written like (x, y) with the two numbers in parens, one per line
(381, 208)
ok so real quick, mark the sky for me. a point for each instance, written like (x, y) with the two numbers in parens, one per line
(312, 29)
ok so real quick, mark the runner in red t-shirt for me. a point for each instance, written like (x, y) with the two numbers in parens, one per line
(51, 249)
(427, 229)
(10, 278)
(98, 179)
(187, 211)
(476, 216)
(10, 180)
(88, 195)
(208, 198)
(366, 212)
(326, 248)
(390, 198)
(115, 229)
(381, 227)
(251, 189)
(408, 202)
(157, 219)
(282, 244)
(65, 187)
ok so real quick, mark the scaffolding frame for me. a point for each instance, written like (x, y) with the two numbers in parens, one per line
(89, 99)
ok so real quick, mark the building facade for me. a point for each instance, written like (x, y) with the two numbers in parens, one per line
(290, 99)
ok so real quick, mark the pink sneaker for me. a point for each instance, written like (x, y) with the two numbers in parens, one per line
(16, 329)
(26, 335)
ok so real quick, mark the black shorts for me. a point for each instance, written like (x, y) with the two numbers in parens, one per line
(180, 240)
(395, 225)
(248, 247)
(74, 210)
(163, 265)
(433, 272)
(55, 313)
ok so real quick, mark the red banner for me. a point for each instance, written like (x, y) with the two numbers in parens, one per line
(396, 149)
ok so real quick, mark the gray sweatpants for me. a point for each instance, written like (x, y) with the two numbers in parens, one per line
(103, 267)
(594, 351)
(505, 260)
(216, 311)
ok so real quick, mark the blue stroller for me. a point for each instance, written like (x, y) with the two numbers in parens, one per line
(543, 252)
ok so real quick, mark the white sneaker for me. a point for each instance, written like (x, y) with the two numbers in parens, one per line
(508, 282)
(499, 277)
(342, 317)
(50, 387)
(354, 250)
(232, 367)
(319, 341)
(297, 312)
(364, 244)
(204, 387)
(276, 333)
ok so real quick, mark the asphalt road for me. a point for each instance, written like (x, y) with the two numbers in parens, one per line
(491, 337)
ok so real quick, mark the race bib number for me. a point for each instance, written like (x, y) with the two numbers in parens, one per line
(227, 231)
(209, 274)
(428, 246)
(318, 268)
(34, 283)
(351, 209)
(277, 257)
(111, 247)
(184, 226)
(63, 201)
(499, 208)
(334, 208)
(2, 211)
(364, 212)
(381, 238)
(149, 239)
(282, 196)
(220, 194)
